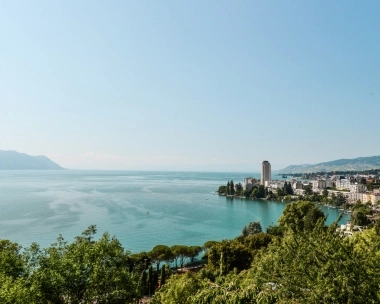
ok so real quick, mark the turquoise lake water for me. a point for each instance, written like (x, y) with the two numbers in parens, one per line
(141, 209)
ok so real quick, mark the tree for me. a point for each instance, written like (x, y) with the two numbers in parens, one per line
(276, 230)
(222, 190)
(163, 275)
(244, 231)
(301, 215)
(180, 253)
(260, 192)
(254, 227)
(359, 217)
(308, 190)
(84, 271)
(160, 253)
(232, 188)
(227, 255)
(207, 245)
(11, 262)
(193, 252)
(228, 188)
(143, 283)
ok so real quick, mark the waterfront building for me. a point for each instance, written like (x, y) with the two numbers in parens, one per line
(342, 183)
(319, 184)
(357, 188)
(249, 182)
(265, 172)
(353, 197)
(297, 185)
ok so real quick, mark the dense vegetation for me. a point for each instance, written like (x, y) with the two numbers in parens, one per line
(255, 192)
(299, 261)
(304, 262)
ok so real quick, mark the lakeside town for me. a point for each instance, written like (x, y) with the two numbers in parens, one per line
(350, 192)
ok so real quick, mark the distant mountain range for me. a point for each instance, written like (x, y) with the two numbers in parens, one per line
(12, 160)
(355, 164)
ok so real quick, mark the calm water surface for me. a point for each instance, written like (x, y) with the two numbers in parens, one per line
(141, 209)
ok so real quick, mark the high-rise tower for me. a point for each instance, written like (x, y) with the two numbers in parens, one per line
(265, 172)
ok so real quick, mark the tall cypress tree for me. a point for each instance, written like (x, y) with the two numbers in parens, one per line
(228, 188)
(143, 283)
(232, 191)
(150, 280)
(163, 275)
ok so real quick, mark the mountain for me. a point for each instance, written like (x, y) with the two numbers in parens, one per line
(12, 160)
(355, 164)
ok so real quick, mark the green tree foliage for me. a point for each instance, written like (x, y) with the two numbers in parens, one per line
(179, 289)
(301, 215)
(143, 283)
(228, 189)
(261, 192)
(84, 271)
(207, 245)
(232, 188)
(15, 291)
(359, 218)
(320, 267)
(222, 190)
(257, 241)
(308, 190)
(252, 228)
(227, 255)
(160, 253)
(193, 252)
(276, 230)
(163, 275)
(180, 253)
(11, 262)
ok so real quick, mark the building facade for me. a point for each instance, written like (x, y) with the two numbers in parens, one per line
(342, 183)
(319, 184)
(357, 188)
(265, 172)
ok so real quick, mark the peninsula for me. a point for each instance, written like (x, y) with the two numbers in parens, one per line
(12, 160)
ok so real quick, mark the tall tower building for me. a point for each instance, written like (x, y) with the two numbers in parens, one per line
(265, 172)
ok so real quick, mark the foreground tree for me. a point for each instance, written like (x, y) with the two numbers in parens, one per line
(85, 271)
(300, 216)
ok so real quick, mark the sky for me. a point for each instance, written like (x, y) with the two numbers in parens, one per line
(190, 85)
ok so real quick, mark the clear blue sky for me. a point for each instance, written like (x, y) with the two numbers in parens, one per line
(190, 85)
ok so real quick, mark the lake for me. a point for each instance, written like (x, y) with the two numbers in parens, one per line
(141, 208)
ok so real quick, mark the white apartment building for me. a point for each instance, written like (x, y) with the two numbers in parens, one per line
(319, 184)
(355, 196)
(343, 183)
(357, 188)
